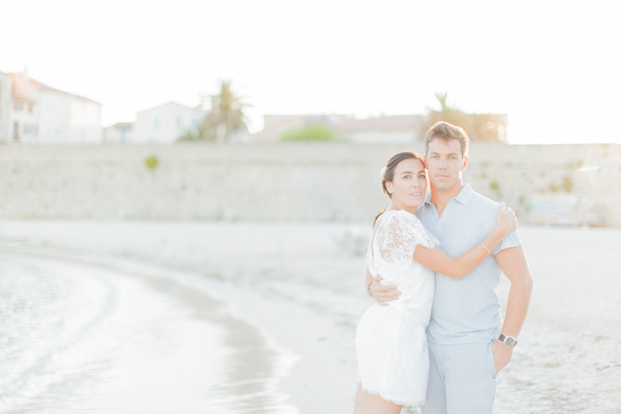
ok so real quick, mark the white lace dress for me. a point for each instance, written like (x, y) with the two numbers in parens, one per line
(391, 344)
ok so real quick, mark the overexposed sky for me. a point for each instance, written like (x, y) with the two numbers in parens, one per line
(553, 66)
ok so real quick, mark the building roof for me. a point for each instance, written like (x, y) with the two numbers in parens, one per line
(25, 88)
(173, 103)
(121, 125)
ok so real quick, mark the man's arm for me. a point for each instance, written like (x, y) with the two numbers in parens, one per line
(513, 263)
(379, 292)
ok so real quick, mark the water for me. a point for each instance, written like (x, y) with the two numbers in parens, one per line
(78, 336)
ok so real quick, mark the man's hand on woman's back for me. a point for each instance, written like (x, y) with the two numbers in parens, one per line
(383, 294)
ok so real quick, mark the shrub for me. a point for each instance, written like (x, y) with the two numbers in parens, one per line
(315, 132)
(151, 162)
(568, 184)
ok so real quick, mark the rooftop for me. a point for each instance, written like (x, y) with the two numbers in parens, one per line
(25, 88)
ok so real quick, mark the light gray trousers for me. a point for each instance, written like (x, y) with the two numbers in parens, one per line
(462, 379)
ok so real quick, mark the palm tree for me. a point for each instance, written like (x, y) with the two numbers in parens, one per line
(447, 113)
(479, 127)
(226, 116)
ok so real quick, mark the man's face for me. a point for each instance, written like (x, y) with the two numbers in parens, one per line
(445, 163)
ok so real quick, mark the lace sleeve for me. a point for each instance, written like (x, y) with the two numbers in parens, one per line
(399, 237)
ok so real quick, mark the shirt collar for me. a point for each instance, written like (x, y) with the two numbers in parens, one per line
(464, 196)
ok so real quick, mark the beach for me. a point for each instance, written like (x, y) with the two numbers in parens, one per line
(263, 316)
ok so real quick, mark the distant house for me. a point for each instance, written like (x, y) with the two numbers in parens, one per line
(166, 123)
(45, 115)
(119, 133)
(25, 109)
(381, 129)
(395, 129)
(5, 107)
(275, 126)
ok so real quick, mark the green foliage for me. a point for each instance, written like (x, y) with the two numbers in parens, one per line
(494, 186)
(151, 162)
(568, 184)
(225, 117)
(479, 127)
(316, 132)
(196, 134)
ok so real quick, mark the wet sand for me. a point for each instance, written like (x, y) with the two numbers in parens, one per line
(302, 284)
(82, 333)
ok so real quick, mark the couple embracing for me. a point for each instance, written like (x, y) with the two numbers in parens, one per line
(436, 337)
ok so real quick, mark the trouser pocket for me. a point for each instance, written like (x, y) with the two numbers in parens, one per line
(490, 358)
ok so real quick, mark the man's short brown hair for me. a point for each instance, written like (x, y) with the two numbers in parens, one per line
(445, 131)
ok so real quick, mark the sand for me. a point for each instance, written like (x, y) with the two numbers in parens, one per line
(302, 284)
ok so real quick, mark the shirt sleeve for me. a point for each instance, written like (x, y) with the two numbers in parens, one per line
(512, 240)
(399, 237)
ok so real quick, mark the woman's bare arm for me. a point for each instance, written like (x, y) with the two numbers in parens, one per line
(368, 281)
(435, 259)
(381, 293)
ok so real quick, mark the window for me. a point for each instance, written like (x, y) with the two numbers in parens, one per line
(156, 123)
(30, 129)
(16, 134)
(18, 106)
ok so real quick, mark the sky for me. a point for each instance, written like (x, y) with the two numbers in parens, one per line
(552, 66)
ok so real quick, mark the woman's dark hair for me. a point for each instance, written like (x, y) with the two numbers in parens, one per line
(388, 172)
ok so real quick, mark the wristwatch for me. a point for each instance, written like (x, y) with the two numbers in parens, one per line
(507, 340)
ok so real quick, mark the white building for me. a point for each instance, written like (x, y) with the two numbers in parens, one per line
(45, 115)
(166, 123)
(24, 110)
(5, 107)
(119, 133)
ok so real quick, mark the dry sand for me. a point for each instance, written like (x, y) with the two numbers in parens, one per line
(303, 284)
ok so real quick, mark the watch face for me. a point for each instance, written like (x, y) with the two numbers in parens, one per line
(509, 341)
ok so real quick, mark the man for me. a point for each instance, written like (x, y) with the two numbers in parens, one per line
(468, 341)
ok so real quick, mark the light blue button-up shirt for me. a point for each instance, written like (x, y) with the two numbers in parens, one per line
(466, 310)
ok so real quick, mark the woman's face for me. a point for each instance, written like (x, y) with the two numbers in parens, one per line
(408, 185)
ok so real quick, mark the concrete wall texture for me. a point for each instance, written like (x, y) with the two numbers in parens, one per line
(283, 181)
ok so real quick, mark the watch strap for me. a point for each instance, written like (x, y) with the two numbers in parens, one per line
(502, 338)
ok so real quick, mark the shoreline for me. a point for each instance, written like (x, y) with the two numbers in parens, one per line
(301, 284)
(248, 364)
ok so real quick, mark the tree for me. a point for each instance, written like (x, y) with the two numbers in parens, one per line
(225, 118)
(479, 127)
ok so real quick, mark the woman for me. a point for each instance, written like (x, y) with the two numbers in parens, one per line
(391, 345)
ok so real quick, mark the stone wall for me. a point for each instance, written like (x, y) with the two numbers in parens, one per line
(284, 181)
